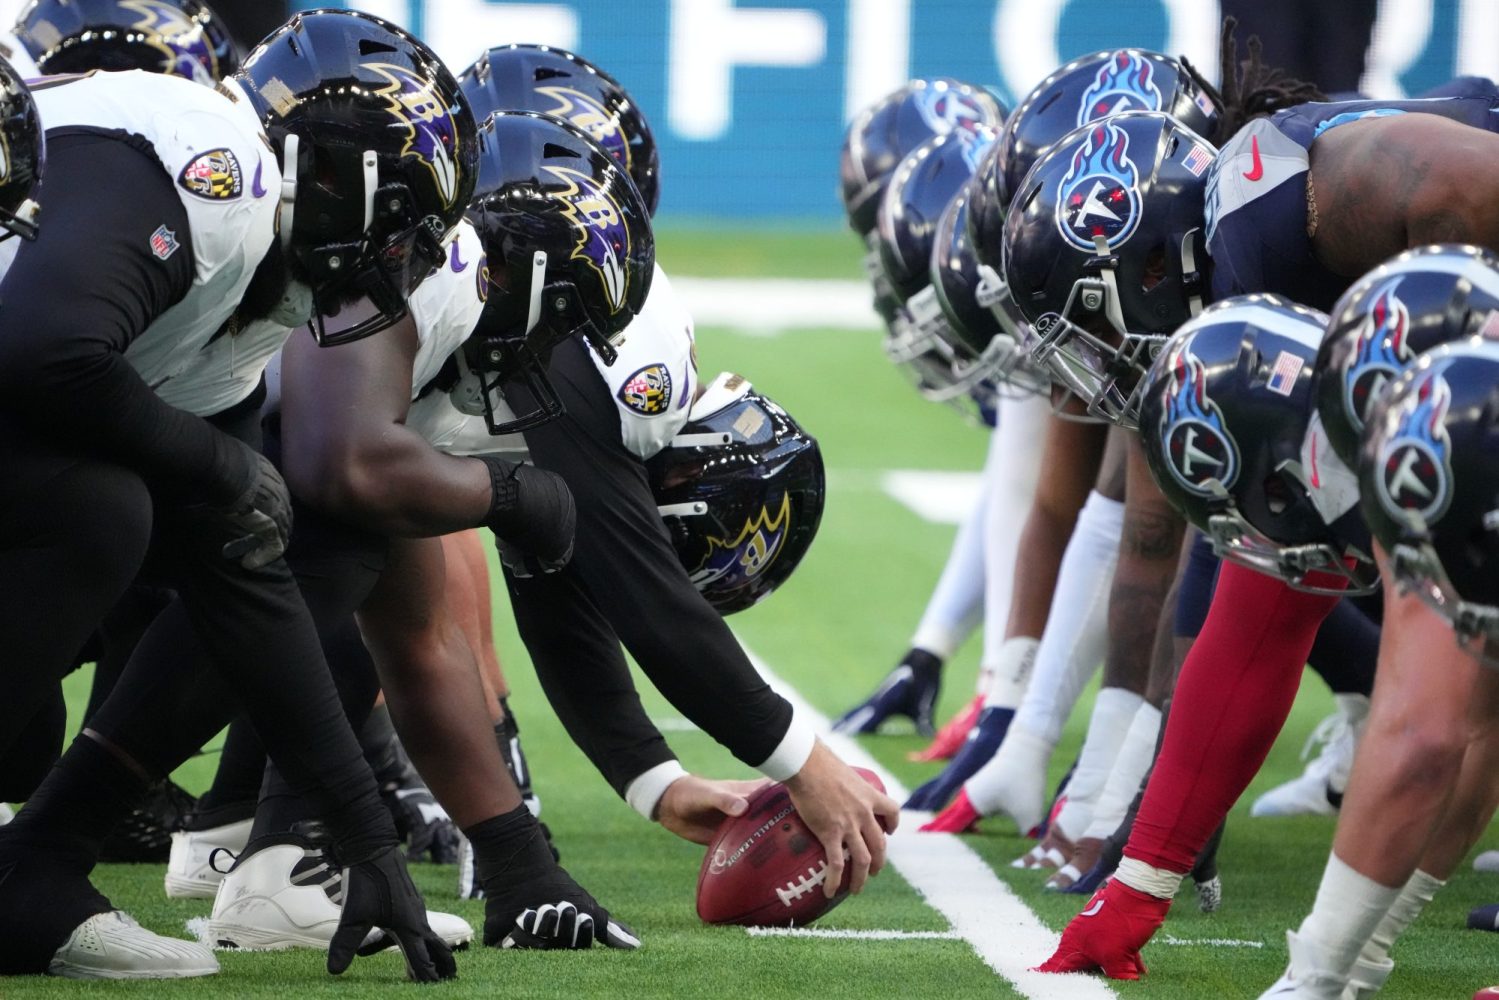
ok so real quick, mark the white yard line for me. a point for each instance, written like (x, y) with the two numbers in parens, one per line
(847, 934)
(959, 884)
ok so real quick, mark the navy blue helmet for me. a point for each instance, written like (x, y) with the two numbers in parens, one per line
(1223, 415)
(557, 82)
(546, 188)
(23, 155)
(741, 489)
(177, 37)
(379, 158)
(1429, 474)
(1103, 249)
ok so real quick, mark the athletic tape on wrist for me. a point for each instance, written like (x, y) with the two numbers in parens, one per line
(1157, 882)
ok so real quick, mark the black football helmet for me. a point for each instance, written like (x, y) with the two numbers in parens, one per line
(178, 37)
(23, 155)
(379, 159)
(741, 489)
(568, 252)
(1223, 414)
(982, 337)
(918, 193)
(1411, 303)
(1429, 478)
(556, 82)
(1096, 86)
(1102, 251)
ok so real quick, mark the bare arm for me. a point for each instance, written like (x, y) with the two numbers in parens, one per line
(1388, 184)
(346, 448)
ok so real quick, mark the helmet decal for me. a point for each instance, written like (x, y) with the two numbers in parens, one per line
(1100, 194)
(1195, 442)
(482, 277)
(1123, 83)
(1414, 471)
(750, 554)
(1380, 352)
(947, 108)
(592, 117)
(602, 239)
(974, 143)
(432, 132)
(180, 39)
(647, 391)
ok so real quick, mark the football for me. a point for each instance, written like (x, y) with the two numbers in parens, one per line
(1487, 993)
(765, 868)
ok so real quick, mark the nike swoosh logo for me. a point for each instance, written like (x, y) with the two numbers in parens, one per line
(257, 186)
(459, 264)
(1258, 170)
(1316, 476)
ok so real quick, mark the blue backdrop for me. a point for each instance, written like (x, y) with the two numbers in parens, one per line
(748, 98)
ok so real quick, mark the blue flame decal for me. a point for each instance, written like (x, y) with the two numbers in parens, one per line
(975, 143)
(603, 241)
(1123, 83)
(431, 132)
(181, 40)
(945, 109)
(592, 117)
(732, 563)
(1415, 465)
(1380, 352)
(1100, 194)
(1194, 440)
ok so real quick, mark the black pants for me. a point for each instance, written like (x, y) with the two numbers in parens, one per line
(624, 584)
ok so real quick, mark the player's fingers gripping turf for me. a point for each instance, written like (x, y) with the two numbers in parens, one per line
(379, 893)
(564, 926)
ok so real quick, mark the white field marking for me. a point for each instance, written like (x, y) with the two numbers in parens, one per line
(675, 724)
(939, 497)
(1172, 939)
(771, 306)
(846, 934)
(956, 882)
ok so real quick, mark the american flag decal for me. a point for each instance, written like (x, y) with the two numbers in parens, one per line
(1197, 161)
(1283, 375)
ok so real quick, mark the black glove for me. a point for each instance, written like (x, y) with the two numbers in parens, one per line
(425, 826)
(532, 902)
(378, 893)
(532, 515)
(259, 520)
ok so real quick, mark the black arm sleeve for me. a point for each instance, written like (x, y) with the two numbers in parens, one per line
(624, 558)
(75, 299)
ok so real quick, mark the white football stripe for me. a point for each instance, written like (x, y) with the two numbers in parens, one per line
(939, 497)
(956, 882)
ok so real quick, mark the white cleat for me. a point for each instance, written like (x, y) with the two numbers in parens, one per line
(1304, 978)
(287, 894)
(195, 867)
(1367, 978)
(1488, 861)
(1318, 791)
(113, 946)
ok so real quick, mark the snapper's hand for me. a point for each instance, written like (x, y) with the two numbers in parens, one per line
(693, 808)
(849, 816)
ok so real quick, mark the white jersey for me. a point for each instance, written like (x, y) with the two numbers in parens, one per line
(653, 382)
(226, 174)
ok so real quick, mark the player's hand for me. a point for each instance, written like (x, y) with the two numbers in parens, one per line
(981, 745)
(532, 515)
(847, 815)
(258, 521)
(425, 826)
(1108, 935)
(904, 691)
(378, 893)
(693, 808)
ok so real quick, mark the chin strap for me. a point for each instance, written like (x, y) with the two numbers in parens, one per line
(288, 208)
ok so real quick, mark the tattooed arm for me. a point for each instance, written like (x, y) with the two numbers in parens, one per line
(1388, 184)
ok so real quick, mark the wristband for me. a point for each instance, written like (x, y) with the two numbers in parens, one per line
(791, 754)
(644, 791)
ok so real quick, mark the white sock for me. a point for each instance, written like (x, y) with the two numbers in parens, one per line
(1076, 637)
(1113, 711)
(956, 606)
(1418, 891)
(1348, 909)
(1010, 475)
(1135, 755)
(1011, 675)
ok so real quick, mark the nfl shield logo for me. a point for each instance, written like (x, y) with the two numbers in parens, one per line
(164, 243)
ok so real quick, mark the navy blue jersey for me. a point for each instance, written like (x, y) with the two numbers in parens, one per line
(1257, 193)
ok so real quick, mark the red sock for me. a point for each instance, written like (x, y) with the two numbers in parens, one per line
(1231, 700)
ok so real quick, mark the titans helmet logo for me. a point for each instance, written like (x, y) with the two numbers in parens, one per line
(431, 132)
(745, 557)
(1100, 194)
(1198, 448)
(974, 145)
(1379, 352)
(1414, 470)
(603, 242)
(1123, 83)
(588, 114)
(181, 40)
(945, 109)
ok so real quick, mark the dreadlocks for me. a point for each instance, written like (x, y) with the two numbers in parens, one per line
(1250, 89)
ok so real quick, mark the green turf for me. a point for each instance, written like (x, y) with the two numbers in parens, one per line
(833, 632)
(706, 249)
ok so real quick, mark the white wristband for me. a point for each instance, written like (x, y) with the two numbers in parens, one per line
(644, 791)
(1152, 881)
(791, 754)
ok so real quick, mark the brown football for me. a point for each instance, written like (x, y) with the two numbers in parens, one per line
(765, 868)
